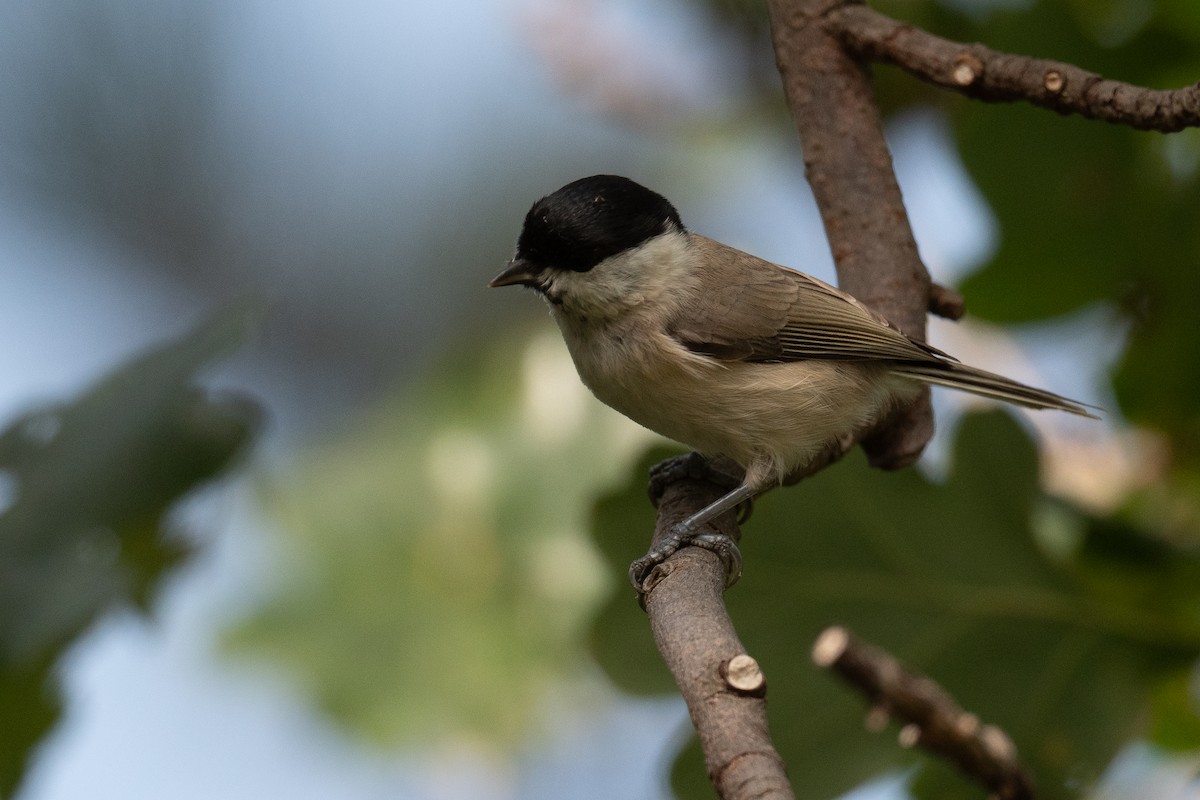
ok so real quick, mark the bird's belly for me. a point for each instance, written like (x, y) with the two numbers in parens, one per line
(773, 417)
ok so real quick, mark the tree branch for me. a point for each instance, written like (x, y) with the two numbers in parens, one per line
(724, 689)
(984, 74)
(850, 170)
(933, 719)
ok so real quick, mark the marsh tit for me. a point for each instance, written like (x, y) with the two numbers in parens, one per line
(717, 349)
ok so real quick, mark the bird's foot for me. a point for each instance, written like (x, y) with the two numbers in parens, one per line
(679, 537)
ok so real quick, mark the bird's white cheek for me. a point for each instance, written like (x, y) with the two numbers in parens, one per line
(655, 273)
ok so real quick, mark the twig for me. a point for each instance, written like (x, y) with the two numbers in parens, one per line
(723, 687)
(984, 74)
(946, 303)
(933, 720)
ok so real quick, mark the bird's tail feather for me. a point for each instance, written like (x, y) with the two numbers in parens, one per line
(987, 384)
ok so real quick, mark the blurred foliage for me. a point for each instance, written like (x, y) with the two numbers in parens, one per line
(440, 575)
(951, 578)
(1095, 212)
(84, 527)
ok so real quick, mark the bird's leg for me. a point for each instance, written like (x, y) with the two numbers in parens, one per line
(689, 533)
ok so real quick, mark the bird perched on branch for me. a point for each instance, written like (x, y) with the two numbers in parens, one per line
(717, 349)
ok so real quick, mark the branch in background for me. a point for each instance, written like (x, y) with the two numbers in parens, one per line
(933, 720)
(984, 74)
(849, 167)
(723, 687)
(946, 303)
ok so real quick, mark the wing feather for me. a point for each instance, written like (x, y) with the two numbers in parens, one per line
(768, 313)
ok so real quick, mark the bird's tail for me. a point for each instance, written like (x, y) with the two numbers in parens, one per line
(988, 384)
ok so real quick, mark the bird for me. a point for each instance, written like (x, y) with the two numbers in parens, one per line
(722, 351)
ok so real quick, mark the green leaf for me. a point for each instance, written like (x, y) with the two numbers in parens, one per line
(1176, 723)
(30, 710)
(439, 574)
(90, 483)
(949, 578)
(1096, 213)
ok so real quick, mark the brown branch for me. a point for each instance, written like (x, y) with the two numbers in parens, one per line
(933, 720)
(984, 74)
(946, 303)
(850, 170)
(724, 689)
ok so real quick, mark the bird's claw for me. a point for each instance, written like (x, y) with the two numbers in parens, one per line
(680, 537)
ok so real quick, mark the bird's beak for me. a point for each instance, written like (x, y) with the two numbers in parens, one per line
(519, 272)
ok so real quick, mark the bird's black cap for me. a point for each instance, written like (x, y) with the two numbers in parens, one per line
(591, 219)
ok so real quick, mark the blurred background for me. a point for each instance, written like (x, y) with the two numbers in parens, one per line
(292, 505)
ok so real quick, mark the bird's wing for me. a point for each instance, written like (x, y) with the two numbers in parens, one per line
(767, 313)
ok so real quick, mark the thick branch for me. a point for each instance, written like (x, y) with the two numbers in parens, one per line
(850, 170)
(984, 74)
(933, 720)
(723, 688)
